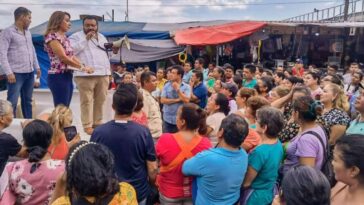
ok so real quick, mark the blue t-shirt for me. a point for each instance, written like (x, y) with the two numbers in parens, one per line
(219, 174)
(265, 160)
(132, 145)
(250, 84)
(170, 111)
(200, 92)
(352, 101)
(187, 77)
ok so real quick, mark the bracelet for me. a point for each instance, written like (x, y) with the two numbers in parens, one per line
(83, 67)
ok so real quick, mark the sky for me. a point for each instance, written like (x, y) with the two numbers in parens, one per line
(166, 11)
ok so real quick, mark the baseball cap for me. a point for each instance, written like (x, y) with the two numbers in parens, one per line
(298, 60)
(228, 65)
(231, 87)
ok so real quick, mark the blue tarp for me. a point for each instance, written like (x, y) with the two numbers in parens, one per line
(109, 29)
(133, 30)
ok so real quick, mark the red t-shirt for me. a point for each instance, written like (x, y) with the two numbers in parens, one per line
(297, 73)
(60, 151)
(173, 184)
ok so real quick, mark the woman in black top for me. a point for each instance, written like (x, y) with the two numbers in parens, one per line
(9, 146)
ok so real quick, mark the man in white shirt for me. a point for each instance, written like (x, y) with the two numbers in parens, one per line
(88, 46)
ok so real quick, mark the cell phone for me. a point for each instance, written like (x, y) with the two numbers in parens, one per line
(70, 133)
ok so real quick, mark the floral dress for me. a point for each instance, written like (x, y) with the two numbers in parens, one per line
(335, 117)
(290, 129)
(31, 183)
(57, 66)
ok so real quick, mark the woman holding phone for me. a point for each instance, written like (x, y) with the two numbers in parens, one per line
(61, 119)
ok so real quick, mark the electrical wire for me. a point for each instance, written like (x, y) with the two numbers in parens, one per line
(173, 5)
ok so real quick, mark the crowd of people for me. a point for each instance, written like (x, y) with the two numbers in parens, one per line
(183, 135)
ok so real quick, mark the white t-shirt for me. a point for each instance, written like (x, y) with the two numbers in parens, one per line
(347, 78)
(233, 106)
(214, 121)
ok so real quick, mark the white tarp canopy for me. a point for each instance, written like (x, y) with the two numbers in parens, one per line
(143, 50)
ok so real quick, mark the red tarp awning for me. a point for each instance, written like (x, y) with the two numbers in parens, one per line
(212, 35)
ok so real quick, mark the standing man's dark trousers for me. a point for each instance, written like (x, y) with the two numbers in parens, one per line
(23, 87)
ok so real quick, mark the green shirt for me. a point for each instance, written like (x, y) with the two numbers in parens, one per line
(211, 83)
(250, 84)
(356, 127)
(265, 160)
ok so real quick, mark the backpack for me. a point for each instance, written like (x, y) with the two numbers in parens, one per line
(327, 168)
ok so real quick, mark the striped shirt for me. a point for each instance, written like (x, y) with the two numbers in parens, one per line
(17, 53)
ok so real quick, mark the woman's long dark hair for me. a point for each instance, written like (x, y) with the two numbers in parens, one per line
(307, 108)
(90, 172)
(37, 137)
(195, 118)
(223, 102)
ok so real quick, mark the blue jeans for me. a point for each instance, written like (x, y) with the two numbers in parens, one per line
(61, 86)
(24, 87)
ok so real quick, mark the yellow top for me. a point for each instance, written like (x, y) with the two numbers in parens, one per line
(126, 196)
(161, 83)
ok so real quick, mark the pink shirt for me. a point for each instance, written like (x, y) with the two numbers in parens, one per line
(32, 188)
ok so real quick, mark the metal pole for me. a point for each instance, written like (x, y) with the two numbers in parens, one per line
(112, 15)
(346, 10)
(217, 55)
(127, 11)
(362, 9)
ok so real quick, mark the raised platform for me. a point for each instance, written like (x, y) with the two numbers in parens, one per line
(44, 103)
